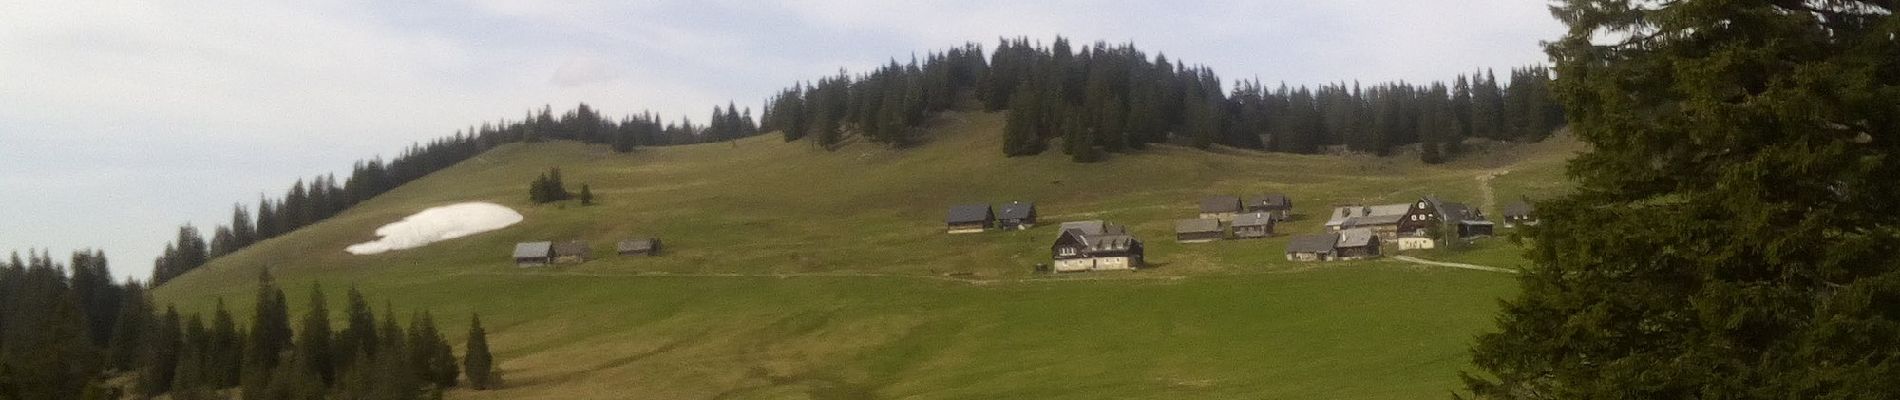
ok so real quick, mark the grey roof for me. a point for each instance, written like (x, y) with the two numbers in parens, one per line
(1220, 204)
(1269, 201)
(1253, 219)
(969, 213)
(571, 248)
(1358, 237)
(533, 249)
(1110, 243)
(1198, 225)
(1382, 214)
(1094, 227)
(1016, 210)
(1321, 243)
(637, 244)
(1519, 208)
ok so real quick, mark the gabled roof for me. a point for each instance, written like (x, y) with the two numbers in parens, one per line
(636, 244)
(1269, 201)
(1368, 215)
(1016, 210)
(533, 249)
(1220, 204)
(1321, 243)
(1253, 219)
(1358, 237)
(1111, 243)
(969, 213)
(1094, 227)
(1454, 211)
(1198, 225)
(571, 248)
(1519, 208)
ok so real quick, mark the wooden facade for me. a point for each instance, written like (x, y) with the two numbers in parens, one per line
(645, 246)
(1277, 205)
(572, 252)
(1198, 231)
(1254, 225)
(1016, 215)
(534, 254)
(969, 218)
(1222, 208)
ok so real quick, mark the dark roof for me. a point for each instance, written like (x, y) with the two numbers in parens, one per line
(1220, 204)
(571, 248)
(1269, 201)
(639, 244)
(532, 249)
(1357, 237)
(969, 213)
(1198, 225)
(1253, 219)
(1519, 208)
(1453, 211)
(1321, 243)
(1094, 227)
(1016, 210)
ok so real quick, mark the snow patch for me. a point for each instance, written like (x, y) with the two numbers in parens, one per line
(438, 224)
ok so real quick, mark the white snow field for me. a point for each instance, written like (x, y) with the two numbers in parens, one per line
(438, 224)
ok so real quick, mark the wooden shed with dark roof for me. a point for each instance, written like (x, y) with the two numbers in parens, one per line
(1254, 225)
(1319, 247)
(534, 254)
(643, 246)
(572, 252)
(1220, 207)
(1016, 215)
(1519, 212)
(1277, 205)
(1199, 230)
(969, 218)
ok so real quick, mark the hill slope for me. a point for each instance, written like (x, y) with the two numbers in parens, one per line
(793, 272)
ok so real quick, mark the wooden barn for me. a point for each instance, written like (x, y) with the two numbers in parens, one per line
(1277, 205)
(1254, 225)
(1221, 208)
(1519, 212)
(1016, 215)
(1198, 231)
(969, 218)
(572, 252)
(645, 246)
(534, 254)
(1096, 246)
(1319, 247)
(1356, 244)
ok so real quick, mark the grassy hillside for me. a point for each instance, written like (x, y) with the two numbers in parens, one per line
(794, 272)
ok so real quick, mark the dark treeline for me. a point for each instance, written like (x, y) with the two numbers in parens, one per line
(69, 335)
(1112, 98)
(1097, 100)
(307, 202)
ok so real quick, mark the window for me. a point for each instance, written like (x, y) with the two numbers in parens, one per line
(1066, 251)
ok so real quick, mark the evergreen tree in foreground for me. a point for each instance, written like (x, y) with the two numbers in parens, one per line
(1733, 231)
(476, 362)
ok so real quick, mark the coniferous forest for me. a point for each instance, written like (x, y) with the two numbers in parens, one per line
(69, 332)
(1090, 101)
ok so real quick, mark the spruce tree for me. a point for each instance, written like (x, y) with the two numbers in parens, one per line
(130, 329)
(476, 361)
(430, 354)
(1732, 233)
(270, 333)
(359, 332)
(314, 347)
(225, 359)
(161, 355)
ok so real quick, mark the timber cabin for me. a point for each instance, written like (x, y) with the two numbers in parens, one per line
(1357, 244)
(1519, 212)
(970, 218)
(1253, 225)
(638, 247)
(1317, 247)
(572, 252)
(1198, 231)
(1276, 205)
(534, 254)
(1017, 215)
(1221, 208)
(1095, 246)
(1467, 221)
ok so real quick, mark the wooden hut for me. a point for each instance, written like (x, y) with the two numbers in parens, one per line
(1016, 215)
(1199, 230)
(1254, 225)
(572, 252)
(645, 246)
(1221, 208)
(969, 218)
(534, 254)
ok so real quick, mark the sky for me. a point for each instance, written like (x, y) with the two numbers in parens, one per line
(121, 120)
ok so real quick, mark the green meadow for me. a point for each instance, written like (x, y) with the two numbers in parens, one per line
(796, 272)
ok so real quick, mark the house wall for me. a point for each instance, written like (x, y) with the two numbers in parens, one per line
(968, 228)
(531, 262)
(1113, 263)
(1202, 237)
(1075, 265)
(1251, 231)
(569, 259)
(1015, 224)
(1304, 256)
(1223, 217)
(1416, 243)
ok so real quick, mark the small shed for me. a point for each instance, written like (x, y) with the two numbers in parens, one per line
(645, 246)
(969, 218)
(534, 254)
(1357, 243)
(1519, 212)
(1200, 230)
(1277, 205)
(1318, 247)
(572, 252)
(1254, 225)
(1016, 215)
(1220, 207)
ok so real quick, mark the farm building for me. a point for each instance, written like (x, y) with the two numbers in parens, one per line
(1198, 231)
(970, 218)
(1415, 225)
(1357, 243)
(1276, 205)
(1519, 212)
(1221, 208)
(645, 246)
(1465, 220)
(572, 252)
(1095, 246)
(1319, 247)
(1016, 215)
(1253, 225)
(534, 254)
(1386, 220)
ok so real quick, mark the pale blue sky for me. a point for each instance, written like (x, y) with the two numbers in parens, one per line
(120, 120)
